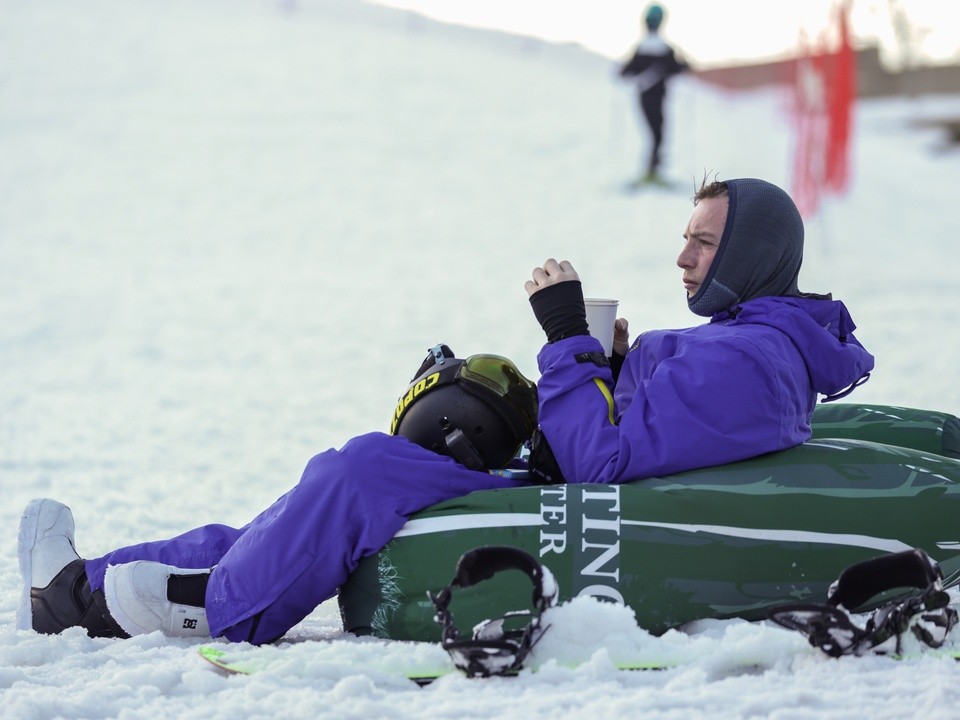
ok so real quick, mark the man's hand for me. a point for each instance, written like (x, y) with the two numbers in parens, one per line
(559, 309)
(621, 336)
(551, 273)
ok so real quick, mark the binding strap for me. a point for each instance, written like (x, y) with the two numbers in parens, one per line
(926, 613)
(492, 649)
(861, 581)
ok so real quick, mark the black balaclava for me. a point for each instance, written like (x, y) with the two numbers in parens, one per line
(760, 251)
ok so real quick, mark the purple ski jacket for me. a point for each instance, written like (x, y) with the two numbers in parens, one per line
(744, 384)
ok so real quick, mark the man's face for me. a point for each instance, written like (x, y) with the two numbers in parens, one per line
(701, 240)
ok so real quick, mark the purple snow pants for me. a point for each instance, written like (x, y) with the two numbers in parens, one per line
(349, 503)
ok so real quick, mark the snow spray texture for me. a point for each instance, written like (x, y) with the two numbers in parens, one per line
(237, 660)
(723, 542)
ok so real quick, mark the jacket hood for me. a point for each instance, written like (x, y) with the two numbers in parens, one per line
(822, 332)
(760, 251)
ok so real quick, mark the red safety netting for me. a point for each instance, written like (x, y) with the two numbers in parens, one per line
(824, 93)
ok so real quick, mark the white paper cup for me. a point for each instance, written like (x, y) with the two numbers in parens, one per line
(601, 314)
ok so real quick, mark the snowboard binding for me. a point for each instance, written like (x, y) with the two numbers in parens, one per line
(926, 613)
(496, 646)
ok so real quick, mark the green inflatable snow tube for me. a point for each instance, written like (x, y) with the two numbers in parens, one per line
(925, 430)
(719, 542)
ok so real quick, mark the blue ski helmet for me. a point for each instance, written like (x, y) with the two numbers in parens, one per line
(479, 411)
(653, 16)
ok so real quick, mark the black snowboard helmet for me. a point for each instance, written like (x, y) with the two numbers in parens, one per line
(478, 411)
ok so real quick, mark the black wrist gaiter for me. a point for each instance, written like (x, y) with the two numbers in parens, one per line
(560, 310)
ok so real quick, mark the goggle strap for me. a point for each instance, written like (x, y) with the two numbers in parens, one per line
(462, 450)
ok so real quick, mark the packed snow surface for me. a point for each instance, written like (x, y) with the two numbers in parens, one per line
(230, 230)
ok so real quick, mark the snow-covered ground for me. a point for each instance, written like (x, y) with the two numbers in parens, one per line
(229, 231)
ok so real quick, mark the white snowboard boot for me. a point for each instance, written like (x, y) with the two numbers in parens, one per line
(56, 594)
(137, 595)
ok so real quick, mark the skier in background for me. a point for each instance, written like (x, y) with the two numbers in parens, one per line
(652, 64)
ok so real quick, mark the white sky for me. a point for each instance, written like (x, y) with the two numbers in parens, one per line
(710, 33)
